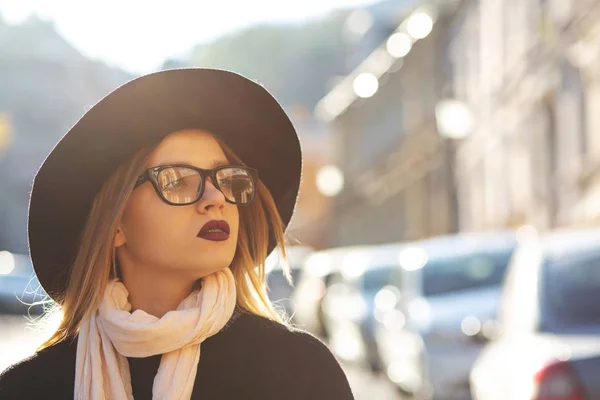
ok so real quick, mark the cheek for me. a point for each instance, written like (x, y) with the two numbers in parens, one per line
(233, 216)
(149, 225)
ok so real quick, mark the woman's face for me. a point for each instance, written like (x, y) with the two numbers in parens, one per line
(157, 237)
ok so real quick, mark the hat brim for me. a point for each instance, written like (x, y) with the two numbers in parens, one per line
(143, 111)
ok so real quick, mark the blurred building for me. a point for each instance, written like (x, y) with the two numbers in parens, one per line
(366, 27)
(397, 169)
(530, 73)
(310, 224)
(364, 30)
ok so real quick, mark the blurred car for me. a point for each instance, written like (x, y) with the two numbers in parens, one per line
(279, 289)
(546, 343)
(19, 288)
(314, 280)
(349, 304)
(449, 286)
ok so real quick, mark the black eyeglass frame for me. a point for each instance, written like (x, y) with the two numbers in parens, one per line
(151, 174)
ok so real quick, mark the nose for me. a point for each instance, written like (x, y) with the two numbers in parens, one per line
(211, 198)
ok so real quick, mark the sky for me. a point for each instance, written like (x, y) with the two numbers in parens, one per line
(139, 35)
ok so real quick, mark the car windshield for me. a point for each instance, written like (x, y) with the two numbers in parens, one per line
(374, 279)
(279, 288)
(572, 290)
(442, 275)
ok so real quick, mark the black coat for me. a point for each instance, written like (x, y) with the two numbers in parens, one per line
(250, 358)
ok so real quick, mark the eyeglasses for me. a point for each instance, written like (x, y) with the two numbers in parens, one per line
(180, 185)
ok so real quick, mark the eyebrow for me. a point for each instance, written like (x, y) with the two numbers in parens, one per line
(214, 164)
(219, 163)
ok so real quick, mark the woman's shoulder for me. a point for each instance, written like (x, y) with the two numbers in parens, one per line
(263, 331)
(41, 372)
(294, 352)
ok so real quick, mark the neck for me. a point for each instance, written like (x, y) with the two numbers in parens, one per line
(157, 295)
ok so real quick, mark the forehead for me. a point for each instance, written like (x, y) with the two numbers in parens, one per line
(195, 147)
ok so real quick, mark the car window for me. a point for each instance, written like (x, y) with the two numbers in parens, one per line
(276, 278)
(572, 290)
(374, 279)
(447, 274)
(278, 285)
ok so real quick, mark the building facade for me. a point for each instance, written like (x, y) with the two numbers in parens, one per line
(530, 72)
(397, 168)
(311, 223)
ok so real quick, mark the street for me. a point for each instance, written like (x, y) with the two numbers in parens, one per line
(18, 339)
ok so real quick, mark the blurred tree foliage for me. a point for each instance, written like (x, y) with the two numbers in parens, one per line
(45, 86)
(300, 63)
(296, 63)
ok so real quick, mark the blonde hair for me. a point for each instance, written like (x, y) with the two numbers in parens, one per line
(95, 263)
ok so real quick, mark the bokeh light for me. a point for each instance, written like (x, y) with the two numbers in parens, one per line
(365, 85)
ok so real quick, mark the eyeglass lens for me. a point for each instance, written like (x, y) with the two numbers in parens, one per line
(181, 185)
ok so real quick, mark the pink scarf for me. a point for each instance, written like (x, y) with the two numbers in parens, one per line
(114, 333)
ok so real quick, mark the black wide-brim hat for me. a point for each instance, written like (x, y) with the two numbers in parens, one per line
(142, 112)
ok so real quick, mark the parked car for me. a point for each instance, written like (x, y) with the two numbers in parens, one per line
(449, 287)
(349, 304)
(314, 281)
(280, 290)
(19, 288)
(547, 336)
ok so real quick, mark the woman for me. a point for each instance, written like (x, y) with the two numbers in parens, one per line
(149, 224)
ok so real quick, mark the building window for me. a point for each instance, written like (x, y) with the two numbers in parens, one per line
(573, 106)
(521, 184)
(439, 207)
(544, 160)
(496, 182)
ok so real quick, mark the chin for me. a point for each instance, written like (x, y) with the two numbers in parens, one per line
(207, 265)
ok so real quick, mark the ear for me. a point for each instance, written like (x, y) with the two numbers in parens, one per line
(119, 238)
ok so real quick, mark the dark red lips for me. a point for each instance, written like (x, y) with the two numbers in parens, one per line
(217, 231)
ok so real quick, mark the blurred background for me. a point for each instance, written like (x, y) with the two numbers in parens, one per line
(445, 242)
